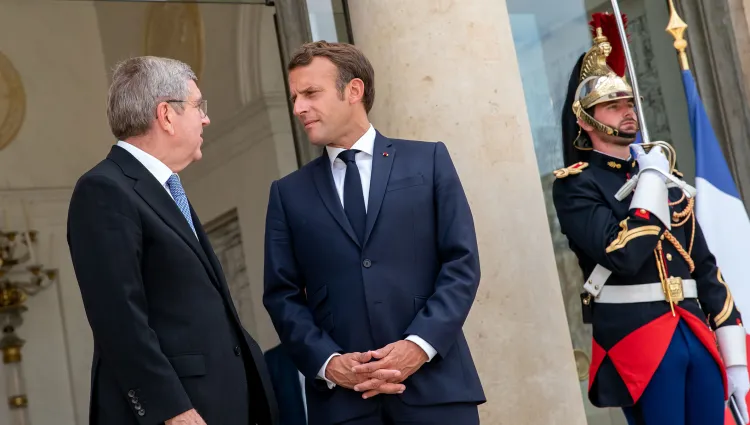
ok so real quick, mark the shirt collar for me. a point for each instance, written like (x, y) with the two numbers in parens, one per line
(365, 144)
(157, 168)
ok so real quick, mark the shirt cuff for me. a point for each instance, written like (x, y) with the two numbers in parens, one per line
(424, 345)
(322, 372)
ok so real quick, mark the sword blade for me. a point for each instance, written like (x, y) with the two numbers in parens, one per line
(631, 73)
(735, 411)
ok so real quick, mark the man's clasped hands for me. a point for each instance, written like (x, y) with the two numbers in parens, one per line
(382, 371)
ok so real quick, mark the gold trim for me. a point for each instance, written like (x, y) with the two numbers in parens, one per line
(11, 354)
(726, 311)
(18, 402)
(613, 164)
(626, 235)
(574, 169)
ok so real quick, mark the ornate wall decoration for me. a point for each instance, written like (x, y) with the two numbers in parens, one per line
(226, 238)
(654, 106)
(12, 102)
(175, 30)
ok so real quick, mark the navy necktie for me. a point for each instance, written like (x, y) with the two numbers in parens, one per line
(354, 200)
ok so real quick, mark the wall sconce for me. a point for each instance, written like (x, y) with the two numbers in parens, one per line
(21, 276)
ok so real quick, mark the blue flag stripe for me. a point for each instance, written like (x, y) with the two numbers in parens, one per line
(709, 159)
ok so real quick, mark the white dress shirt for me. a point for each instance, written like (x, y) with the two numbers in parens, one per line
(158, 169)
(366, 145)
(161, 172)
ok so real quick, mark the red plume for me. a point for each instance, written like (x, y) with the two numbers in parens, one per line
(608, 24)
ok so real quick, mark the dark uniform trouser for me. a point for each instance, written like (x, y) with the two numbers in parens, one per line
(687, 388)
(392, 411)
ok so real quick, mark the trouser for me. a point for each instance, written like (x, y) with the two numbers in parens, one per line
(393, 411)
(686, 389)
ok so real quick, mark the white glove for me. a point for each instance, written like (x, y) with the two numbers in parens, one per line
(739, 384)
(651, 192)
(655, 158)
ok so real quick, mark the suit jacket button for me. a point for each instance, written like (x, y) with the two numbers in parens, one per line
(137, 407)
(237, 351)
(367, 263)
(141, 412)
(131, 393)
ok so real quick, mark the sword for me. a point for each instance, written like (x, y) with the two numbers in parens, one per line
(631, 72)
(735, 411)
(628, 187)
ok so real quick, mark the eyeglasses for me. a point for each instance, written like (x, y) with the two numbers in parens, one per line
(202, 105)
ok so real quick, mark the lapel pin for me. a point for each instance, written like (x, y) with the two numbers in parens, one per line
(385, 153)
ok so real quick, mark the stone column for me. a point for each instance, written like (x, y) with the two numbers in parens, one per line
(446, 70)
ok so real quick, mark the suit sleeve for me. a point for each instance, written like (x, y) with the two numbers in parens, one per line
(445, 312)
(284, 298)
(714, 295)
(105, 241)
(622, 246)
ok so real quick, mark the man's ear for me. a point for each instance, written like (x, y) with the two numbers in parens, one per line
(165, 116)
(356, 90)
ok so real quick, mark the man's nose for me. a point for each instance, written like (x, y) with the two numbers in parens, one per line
(300, 107)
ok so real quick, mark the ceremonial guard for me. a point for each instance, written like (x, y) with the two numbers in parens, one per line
(668, 341)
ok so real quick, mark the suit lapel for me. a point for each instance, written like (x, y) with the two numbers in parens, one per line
(382, 160)
(159, 200)
(327, 190)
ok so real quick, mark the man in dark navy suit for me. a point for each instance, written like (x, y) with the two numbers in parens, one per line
(371, 260)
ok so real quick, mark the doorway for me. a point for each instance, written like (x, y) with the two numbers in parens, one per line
(61, 53)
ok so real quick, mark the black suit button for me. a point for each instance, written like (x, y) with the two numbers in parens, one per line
(367, 263)
(135, 401)
(137, 407)
(131, 393)
(141, 412)
(237, 351)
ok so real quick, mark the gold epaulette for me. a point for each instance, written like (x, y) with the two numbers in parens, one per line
(576, 168)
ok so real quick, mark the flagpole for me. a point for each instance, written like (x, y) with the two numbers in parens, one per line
(677, 27)
(631, 72)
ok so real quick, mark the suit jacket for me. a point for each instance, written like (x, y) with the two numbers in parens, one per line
(166, 335)
(286, 385)
(417, 272)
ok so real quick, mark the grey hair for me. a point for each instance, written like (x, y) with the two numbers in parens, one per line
(138, 85)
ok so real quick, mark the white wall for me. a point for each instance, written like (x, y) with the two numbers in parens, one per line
(64, 52)
(64, 133)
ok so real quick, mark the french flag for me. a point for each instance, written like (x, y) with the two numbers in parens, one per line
(718, 206)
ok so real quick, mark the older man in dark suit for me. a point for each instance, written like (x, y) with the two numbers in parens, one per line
(168, 344)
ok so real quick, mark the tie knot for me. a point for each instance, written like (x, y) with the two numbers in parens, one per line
(174, 184)
(348, 155)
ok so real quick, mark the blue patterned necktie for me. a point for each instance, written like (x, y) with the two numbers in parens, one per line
(178, 193)
(354, 200)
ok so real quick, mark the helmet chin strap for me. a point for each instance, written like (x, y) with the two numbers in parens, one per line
(604, 128)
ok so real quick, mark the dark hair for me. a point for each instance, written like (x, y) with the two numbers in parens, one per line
(349, 60)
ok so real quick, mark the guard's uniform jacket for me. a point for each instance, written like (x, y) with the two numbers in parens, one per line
(630, 339)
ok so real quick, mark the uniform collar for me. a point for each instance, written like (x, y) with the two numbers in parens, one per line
(612, 163)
